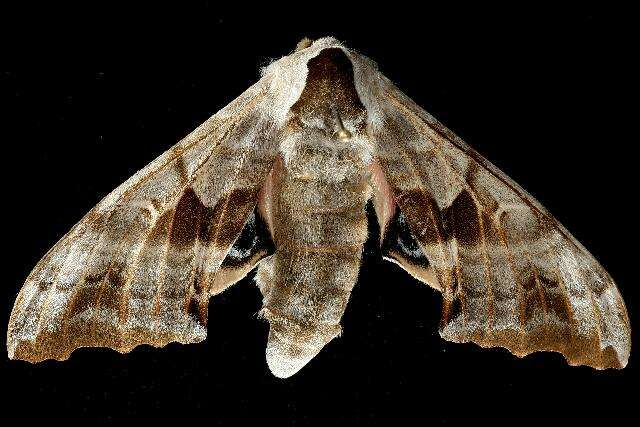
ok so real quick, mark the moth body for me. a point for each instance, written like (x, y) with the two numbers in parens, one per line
(319, 190)
(319, 229)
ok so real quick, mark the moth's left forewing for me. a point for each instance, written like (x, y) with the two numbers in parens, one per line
(510, 274)
(141, 266)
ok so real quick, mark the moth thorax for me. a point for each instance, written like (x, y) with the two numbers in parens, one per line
(311, 156)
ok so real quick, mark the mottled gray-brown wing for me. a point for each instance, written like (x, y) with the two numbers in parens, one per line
(140, 267)
(510, 274)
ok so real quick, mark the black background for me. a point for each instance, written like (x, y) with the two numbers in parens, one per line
(541, 92)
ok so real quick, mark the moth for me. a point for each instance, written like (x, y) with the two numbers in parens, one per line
(279, 179)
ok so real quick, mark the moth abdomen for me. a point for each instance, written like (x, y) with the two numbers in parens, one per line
(319, 227)
(316, 264)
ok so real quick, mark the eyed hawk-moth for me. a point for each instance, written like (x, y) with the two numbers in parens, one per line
(279, 179)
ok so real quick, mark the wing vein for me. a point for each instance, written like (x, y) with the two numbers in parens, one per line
(162, 276)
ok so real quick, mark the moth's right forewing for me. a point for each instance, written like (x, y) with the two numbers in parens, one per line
(510, 274)
(141, 266)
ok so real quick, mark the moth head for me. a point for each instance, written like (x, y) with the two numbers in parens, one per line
(329, 100)
(303, 44)
(323, 85)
